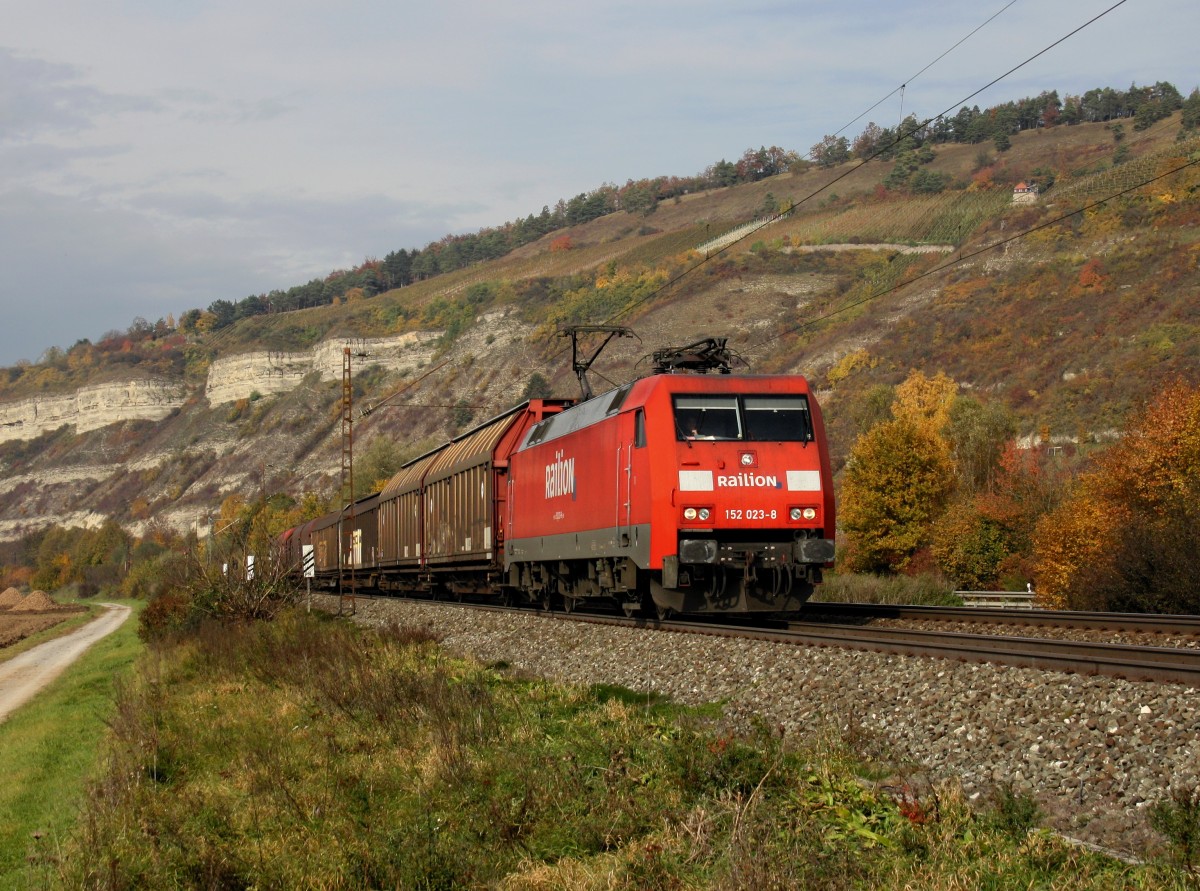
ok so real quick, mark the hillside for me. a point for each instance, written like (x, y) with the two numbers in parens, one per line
(1070, 325)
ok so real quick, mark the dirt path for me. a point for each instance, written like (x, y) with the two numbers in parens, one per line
(23, 676)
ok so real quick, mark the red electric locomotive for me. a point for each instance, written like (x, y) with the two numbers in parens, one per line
(685, 493)
(689, 493)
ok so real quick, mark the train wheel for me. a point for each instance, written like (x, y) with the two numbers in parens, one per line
(663, 612)
(569, 604)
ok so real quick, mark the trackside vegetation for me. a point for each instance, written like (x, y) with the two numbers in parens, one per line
(310, 752)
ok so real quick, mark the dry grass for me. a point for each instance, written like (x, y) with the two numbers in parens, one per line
(311, 753)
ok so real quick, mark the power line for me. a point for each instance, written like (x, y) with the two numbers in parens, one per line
(880, 150)
(810, 323)
(902, 135)
(923, 70)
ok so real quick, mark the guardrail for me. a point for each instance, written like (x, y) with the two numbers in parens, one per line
(1007, 599)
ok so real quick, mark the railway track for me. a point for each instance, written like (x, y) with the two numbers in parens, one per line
(1043, 618)
(1133, 662)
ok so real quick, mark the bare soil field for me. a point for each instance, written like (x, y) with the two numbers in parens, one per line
(15, 627)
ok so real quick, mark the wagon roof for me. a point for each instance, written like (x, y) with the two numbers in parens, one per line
(408, 478)
(474, 448)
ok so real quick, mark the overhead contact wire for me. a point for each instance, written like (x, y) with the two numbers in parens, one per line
(900, 137)
(926, 68)
(969, 256)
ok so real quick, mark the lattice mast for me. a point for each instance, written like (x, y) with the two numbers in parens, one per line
(347, 602)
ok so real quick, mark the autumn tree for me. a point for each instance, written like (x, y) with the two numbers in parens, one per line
(1190, 119)
(1128, 537)
(969, 545)
(986, 537)
(927, 401)
(942, 473)
(869, 141)
(899, 477)
(830, 151)
(978, 433)
(379, 463)
(897, 481)
(641, 197)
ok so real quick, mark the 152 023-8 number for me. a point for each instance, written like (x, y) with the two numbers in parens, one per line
(752, 513)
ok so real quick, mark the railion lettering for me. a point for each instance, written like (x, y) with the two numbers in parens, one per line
(560, 476)
(747, 481)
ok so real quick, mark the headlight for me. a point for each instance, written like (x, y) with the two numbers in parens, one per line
(689, 513)
(794, 513)
(705, 513)
(810, 513)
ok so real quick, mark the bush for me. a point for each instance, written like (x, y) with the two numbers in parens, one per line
(1013, 813)
(151, 577)
(1178, 819)
(840, 587)
(186, 590)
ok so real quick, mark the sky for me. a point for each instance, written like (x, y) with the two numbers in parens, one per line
(157, 156)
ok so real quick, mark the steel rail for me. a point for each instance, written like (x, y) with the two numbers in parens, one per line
(1162, 664)
(1135, 663)
(1158, 623)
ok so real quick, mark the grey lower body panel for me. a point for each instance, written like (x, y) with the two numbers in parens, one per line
(628, 542)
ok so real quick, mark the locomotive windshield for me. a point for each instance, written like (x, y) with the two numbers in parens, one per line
(751, 418)
(777, 418)
(707, 417)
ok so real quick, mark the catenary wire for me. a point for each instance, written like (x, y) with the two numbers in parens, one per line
(926, 68)
(879, 151)
(810, 323)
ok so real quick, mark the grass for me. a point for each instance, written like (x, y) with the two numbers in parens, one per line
(311, 753)
(849, 587)
(49, 747)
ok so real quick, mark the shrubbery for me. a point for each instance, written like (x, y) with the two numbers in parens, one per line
(190, 590)
(1126, 537)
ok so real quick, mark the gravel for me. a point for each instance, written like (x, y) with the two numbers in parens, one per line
(1096, 752)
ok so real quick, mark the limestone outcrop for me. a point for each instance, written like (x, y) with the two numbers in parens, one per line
(238, 377)
(91, 407)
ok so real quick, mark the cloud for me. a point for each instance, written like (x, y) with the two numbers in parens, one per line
(77, 269)
(40, 97)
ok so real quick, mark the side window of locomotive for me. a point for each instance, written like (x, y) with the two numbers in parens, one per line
(707, 417)
(537, 433)
(777, 418)
(618, 399)
(639, 428)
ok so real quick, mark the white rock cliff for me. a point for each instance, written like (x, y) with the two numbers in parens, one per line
(91, 408)
(237, 377)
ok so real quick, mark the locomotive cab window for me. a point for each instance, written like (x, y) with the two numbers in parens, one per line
(707, 417)
(777, 418)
